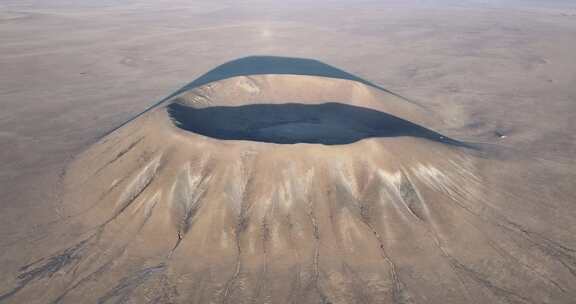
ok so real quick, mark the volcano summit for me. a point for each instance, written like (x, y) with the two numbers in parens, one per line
(281, 180)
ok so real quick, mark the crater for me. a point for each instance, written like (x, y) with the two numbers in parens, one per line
(292, 123)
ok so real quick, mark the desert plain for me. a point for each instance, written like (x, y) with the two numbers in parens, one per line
(287, 151)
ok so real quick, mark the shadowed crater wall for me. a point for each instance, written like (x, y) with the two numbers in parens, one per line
(291, 123)
(263, 65)
(268, 65)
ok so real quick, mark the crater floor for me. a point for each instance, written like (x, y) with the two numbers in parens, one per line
(291, 123)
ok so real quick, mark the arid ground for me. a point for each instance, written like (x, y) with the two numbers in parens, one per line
(287, 151)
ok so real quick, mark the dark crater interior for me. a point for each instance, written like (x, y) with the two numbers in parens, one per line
(292, 123)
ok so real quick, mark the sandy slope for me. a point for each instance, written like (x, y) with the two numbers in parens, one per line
(292, 213)
(496, 72)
